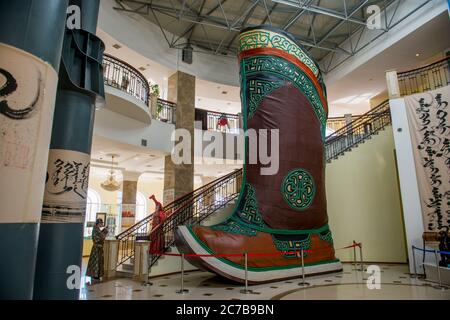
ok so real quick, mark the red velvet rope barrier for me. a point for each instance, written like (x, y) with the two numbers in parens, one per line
(242, 254)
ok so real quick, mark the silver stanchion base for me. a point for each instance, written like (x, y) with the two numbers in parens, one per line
(439, 287)
(184, 291)
(304, 284)
(246, 291)
(147, 284)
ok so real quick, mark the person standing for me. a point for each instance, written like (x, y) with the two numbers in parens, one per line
(157, 234)
(96, 258)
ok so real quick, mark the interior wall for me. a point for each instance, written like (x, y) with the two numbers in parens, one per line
(364, 201)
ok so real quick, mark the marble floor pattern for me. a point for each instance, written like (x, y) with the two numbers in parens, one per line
(396, 283)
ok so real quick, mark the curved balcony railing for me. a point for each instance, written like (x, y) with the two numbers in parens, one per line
(122, 76)
(429, 77)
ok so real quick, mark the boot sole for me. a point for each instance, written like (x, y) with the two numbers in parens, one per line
(187, 243)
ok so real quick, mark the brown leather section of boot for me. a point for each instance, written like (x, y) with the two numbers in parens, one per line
(227, 243)
(301, 146)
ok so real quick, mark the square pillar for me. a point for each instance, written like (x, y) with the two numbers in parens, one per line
(179, 178)
(110, 252)
(141, 249)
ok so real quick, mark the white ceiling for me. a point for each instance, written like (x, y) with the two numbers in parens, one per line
(144, 160)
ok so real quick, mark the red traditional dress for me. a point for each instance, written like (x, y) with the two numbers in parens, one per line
(157, 234)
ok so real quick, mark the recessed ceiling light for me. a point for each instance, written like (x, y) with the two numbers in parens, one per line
(117, 46)
(417, 54)
(224, 92)
(142, 69)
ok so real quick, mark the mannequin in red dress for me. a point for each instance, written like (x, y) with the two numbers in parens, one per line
(157, 233)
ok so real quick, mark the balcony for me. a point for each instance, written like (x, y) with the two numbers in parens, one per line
(128, 93)
(216, 121)
(429, 77)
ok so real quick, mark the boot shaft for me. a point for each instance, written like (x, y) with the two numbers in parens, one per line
(282, 88)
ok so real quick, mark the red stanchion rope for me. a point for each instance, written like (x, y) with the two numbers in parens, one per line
(223, 255)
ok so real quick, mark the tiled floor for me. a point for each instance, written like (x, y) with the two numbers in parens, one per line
(349, 284)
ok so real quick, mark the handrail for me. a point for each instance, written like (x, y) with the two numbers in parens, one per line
(199, 204)
(357, 131)
(172, 204)
(231, 115)
(167, 111)
(425, 78)
(121, 75)
(399, 73)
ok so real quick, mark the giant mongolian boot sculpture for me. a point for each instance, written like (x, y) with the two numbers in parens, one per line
(281, 88)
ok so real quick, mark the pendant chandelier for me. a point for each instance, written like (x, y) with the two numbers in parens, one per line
(111, 184)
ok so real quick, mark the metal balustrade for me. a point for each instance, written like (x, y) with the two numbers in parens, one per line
(211, 121)
(191, 208)
(122, 76)
(429, 77)
(357, 131)
(166, 111)
(196, 206)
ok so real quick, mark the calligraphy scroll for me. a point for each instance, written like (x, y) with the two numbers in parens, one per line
(428, 117)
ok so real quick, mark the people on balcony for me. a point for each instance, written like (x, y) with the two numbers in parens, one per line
(222, 122)
(157, 234)
(96, 258)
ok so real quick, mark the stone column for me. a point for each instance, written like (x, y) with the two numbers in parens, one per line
(31, 38)
(111, 254)
(179, 178)
(129, 191)
(140, 271)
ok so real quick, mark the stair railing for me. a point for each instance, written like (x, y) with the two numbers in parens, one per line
(192, 208)
(198, 205)
(357, 131)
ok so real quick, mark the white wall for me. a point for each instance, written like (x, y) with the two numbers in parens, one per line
(408, 180)
(363, 201)
(114, 126)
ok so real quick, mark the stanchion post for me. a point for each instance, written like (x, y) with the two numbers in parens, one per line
(182, 289)
(246, 290)
(414, 262)
(354, 254)
(361, 257)
(303, 283)
(438, 270)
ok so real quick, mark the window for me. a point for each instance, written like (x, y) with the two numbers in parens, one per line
(93, 206)
(141, 206)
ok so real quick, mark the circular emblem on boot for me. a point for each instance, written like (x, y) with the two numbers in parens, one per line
(298, 189)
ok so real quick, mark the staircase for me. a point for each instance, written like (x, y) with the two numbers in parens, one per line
(357, 131)
(212, 202)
